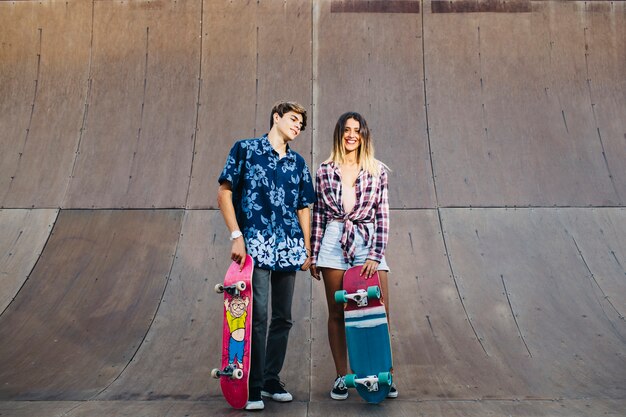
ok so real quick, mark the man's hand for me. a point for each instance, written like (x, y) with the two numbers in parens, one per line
(238, 252)
(305, 266)
(369, 268)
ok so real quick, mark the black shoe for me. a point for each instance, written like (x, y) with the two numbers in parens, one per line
(339, 391)
(276, 391)
(393, 392)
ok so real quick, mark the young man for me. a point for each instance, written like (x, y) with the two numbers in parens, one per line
(264, 196)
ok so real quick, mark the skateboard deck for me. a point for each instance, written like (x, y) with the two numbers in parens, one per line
(236, 334)
(367, 335)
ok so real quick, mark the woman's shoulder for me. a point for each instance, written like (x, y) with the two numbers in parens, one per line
(383, 168)
(327, 165)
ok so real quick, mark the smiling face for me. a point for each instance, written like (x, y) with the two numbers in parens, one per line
(237, 306)
(289, 125)
(351, 136)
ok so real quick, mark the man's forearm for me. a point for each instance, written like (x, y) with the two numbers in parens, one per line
(304, 217)
(225, 204)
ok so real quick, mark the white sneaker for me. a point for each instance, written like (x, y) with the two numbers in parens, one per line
(255, 405)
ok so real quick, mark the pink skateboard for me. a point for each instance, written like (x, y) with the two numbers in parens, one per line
(236, 333)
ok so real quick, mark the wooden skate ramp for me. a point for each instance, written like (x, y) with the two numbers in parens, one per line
(87, 305)
(23, 234)
(503, 124)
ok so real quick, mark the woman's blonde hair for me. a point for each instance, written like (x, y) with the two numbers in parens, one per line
(365, 152)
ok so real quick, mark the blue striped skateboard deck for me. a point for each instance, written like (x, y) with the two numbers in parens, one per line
(367, 335)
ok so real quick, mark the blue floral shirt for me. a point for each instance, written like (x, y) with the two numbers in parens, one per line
(267, 192)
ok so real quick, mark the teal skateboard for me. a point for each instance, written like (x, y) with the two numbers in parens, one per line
(367, 335)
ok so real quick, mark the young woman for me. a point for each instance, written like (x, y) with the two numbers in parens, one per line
(350, 227)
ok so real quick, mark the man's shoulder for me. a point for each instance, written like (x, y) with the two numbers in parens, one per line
(249, 146)
(248, 142)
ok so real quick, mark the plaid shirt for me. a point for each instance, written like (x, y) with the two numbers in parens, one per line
(372, 206)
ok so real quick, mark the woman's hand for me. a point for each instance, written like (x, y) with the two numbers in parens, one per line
(369, 268)
(314, 272)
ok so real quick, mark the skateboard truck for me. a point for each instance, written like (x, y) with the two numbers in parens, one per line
(360, 297)
(370, 382)
(230, 371)
(234, 289)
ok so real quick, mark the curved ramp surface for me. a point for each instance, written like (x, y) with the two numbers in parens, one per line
(23, 234)
(85, 309)
(502, 123)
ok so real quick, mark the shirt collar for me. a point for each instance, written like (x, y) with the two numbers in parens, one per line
(267, 147)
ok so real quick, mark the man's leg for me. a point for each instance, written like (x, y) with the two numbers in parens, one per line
(260, 291)
(282, 295)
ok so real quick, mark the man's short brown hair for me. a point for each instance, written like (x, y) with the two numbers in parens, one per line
(283, 107)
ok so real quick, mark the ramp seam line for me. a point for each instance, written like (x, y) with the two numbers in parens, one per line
(424, 79)
(456, 285)
(156, 311)
(519, 331)
(313, 66)
(30, 117)
(83, 124)
(595, 281)
(43, 248)
(198, 95)
(595, 117)
(141, 118)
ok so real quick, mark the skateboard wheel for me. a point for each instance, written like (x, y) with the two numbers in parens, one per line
(219, 288)
(215, 373)
(384, 378)
(350, 380)
(237, 374)
(340, 296)
(241, 285)
(373, 292)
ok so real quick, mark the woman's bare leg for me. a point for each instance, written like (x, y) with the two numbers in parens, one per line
(384, 286)
(333, 281)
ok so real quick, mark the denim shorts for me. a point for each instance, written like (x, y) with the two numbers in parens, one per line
(331, 254)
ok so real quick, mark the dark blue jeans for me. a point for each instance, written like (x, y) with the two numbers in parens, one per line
(270, 347)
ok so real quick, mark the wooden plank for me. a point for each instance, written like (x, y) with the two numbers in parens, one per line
(284, 64)
(366, 6)
(85, 309)
(509, 111)
(227, 109)
(375, 70)
(42, 98)
(137, 148)
(23, 234)
(178, 408)
(530, 293)
(36, 408)
(473, 408)
(604, 35)
(481, 6)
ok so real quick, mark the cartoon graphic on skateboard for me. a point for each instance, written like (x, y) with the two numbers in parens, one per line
(367, 335)
(236, 333)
